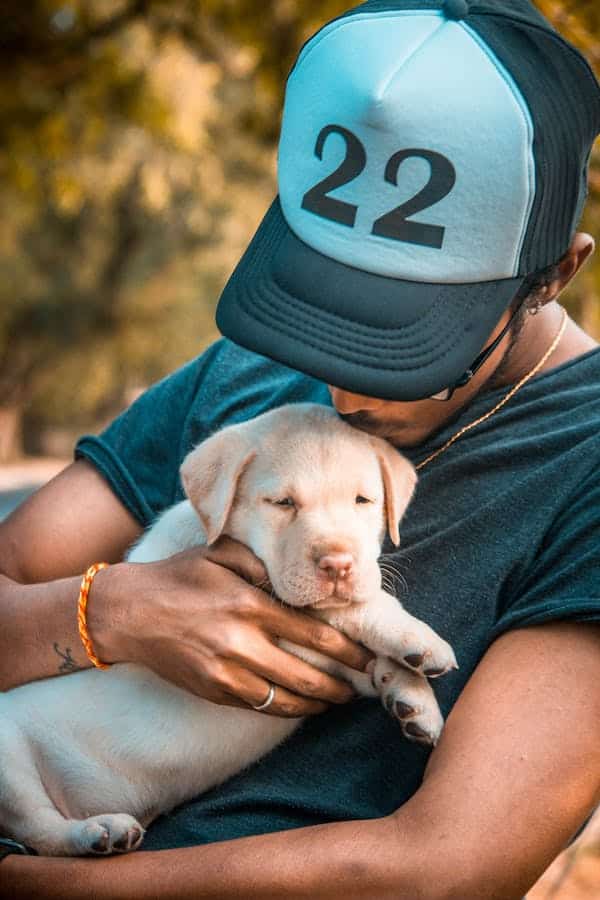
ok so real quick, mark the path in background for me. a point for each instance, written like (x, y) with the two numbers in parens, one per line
(19, 480)
(573, 876)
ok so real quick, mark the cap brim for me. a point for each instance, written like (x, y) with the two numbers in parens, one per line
(365, 333)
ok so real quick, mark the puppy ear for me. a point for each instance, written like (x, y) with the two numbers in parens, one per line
(399, 482)
(210, 476)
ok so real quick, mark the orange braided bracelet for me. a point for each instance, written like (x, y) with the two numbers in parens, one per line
(84, 593)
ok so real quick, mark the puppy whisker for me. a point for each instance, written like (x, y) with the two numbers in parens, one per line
(387, 583)
(388, 567)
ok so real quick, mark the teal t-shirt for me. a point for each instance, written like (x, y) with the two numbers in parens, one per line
(503, 532)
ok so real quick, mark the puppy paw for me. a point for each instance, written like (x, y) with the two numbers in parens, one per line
(409, 699)
(106, 834)
(426, 653)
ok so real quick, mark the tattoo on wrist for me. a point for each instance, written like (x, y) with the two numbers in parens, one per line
(68, 664)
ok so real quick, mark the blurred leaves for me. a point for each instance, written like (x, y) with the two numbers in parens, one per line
(137, 155)
(129, 190)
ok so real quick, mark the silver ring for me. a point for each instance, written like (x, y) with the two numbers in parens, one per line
(268, 701)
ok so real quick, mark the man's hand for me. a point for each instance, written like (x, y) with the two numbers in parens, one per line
(199, 619)
(202, 620)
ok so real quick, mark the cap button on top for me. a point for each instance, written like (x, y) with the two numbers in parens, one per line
(456, 9)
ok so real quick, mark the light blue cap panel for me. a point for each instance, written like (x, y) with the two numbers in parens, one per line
(410, 81)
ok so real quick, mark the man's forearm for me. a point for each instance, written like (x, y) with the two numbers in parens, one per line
(38, 637)
(45, 546)
(349, 860)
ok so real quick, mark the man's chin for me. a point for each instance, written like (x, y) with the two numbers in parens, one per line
(404, 434)
(408, 439)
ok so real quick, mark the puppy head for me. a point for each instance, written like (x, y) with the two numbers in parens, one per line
(310, 495)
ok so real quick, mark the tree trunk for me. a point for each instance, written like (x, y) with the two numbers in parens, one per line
(11, 433)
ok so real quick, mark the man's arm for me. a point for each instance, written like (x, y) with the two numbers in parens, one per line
(45, 546)
(516, 773)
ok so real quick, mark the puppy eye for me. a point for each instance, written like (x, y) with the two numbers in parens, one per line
(287, 501)
(361, 499)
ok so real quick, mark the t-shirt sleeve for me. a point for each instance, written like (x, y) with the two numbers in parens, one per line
(564, 580)
(140, 452)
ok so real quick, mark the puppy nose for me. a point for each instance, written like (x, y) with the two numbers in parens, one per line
(336, 565)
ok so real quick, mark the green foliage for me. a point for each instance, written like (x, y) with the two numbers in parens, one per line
(137, 155)
(129, 191)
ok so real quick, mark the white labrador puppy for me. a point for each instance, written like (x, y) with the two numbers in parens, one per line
(91, 758)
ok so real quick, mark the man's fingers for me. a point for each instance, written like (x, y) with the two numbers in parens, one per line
(288, 705)
(234, 685)
(223, 699)
(238, 558)
(283, 621)
(283, 669)
(308, 632)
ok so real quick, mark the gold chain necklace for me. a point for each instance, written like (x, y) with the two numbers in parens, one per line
(510, 394)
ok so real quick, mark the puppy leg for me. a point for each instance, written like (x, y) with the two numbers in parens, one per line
(409, 699)
(407, 696)
(386, 628)
(28, 815)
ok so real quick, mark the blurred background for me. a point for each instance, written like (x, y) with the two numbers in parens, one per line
(137, 156)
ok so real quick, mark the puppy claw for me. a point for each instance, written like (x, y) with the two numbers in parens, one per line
(101, 844)
(414, 660)
(404, 711)
(129, 841)
(438, 671)
(106, 834)
(409, 698)
(414, 732)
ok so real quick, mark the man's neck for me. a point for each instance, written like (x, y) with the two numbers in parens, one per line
(536, 335)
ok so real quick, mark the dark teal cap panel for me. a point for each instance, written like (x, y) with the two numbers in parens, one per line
(563, 97)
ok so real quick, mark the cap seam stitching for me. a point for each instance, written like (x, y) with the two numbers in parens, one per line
(372, 346)
(292, 334)
(306, 328)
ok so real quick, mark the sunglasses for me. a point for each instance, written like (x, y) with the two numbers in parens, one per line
(448, 393)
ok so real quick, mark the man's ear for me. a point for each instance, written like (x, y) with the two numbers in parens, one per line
(210, 475)
(399, 482)
(581, 248)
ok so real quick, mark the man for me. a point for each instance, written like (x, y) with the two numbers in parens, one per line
(434, 323)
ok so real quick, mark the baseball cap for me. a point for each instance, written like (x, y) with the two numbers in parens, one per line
(432, 156)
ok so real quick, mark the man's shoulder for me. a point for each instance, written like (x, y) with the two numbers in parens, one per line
(228, 384)
(580, 373)
(226, 375)
(226, 363)
(557, 411)
(568, 399)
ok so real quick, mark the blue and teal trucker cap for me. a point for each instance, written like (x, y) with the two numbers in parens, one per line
(432, 156)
